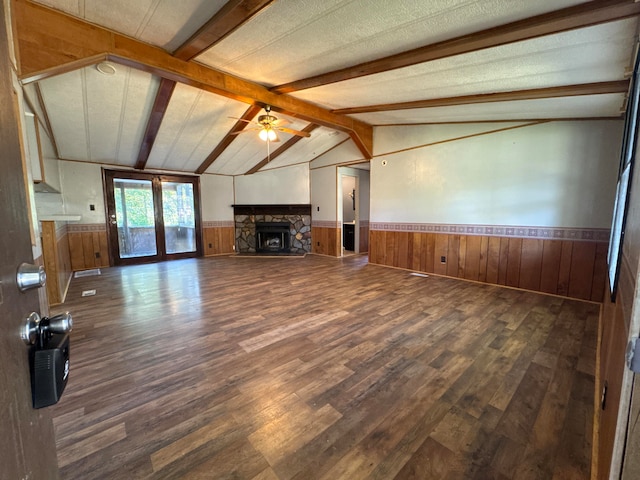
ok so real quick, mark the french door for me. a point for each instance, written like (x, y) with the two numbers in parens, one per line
(152, 217)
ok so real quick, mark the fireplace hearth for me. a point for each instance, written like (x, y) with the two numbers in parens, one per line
(272, 237)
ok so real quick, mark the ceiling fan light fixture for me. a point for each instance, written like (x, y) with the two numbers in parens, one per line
(267, 134)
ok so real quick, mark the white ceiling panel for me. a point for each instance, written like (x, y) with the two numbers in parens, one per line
(99, 118)
(164, 23)
(64, 101)
(240, 156)
(344, 152)
(194, 123)
(386, 139)
(586, 106)
(321, 140)
(295, 39)
(594, 54)
(103, 119)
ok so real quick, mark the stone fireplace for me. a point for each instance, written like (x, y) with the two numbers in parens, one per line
(273, 229)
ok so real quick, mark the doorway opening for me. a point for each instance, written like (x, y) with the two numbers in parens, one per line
(152, 217)
(353, 208)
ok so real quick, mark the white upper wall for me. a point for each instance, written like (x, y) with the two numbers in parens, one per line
(216, 194)
(557, 174)
(289, 185)
(81, 186)
(324, 194)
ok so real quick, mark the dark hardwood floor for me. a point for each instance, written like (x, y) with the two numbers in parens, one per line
(320, 368)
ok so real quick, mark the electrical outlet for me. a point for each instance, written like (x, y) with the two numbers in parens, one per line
(318, 243)
(97, 254)
(443, 259)
(210, 245)
(318, 208)
(92, 207)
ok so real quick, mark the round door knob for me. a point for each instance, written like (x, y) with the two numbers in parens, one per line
(29, 331)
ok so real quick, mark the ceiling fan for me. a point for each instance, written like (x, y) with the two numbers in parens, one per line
(267, 127)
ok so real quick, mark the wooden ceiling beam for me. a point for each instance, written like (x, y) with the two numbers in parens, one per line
(160, 104)
(51, 43)
(231, 16)
(578, 16)
(619, 86)
(283, 148)
(229, 137)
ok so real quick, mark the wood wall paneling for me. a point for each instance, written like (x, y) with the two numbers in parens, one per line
(64, 265)
(462, 256)
(88, 250)
(57, 262)
(219, 240)
(402, 251)
(473, 256)
(493, 260)
(88, 255)
(599, 274)
(428, 258)
(452, 255)
(550, 269)
(581, 272)
(50, 255)
(364, 239)
(442, 250)
(504, 261)
(484, 250)
(326, 240)
(571, 268)
(531, 264)
(614, 335)
(565, 268)
(513, 261)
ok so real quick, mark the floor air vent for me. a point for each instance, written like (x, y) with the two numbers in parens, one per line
(87, 273)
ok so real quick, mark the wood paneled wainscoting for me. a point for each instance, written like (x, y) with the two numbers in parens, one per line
(57, 262)
(219, 238)
(88, 246)
(89, 249)
(364, 236)
(325, 238)
(573, 266)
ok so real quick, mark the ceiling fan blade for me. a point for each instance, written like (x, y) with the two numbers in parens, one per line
(294, 132)
(240, 119)
(246, 130)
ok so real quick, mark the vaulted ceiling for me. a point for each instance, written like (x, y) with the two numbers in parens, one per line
(183, 80)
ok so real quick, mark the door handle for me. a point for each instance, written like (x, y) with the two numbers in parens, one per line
(48, 339)
(30, 276)
(39, 330)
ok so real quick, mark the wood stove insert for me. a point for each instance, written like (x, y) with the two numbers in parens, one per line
(273, 237)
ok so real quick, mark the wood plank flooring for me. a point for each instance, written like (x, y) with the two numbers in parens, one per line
(321, 368)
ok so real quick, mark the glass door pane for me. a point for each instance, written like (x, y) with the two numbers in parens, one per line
(135, 218)
(178, 211)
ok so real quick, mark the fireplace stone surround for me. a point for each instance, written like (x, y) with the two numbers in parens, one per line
(298, 217)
